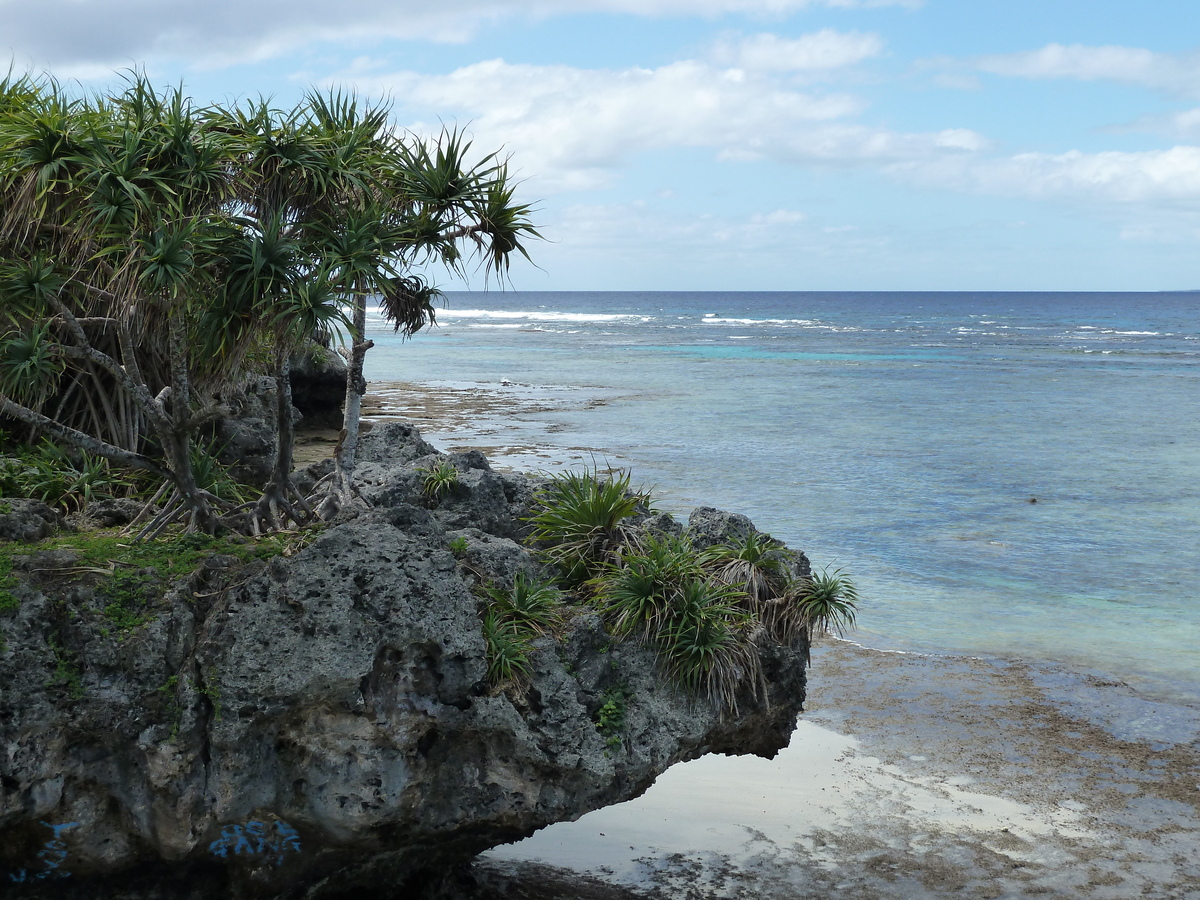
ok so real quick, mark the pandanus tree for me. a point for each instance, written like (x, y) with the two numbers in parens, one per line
(366, 211)
(146, 245)
(112, 210)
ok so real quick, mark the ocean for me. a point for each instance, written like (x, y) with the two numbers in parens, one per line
(1013, 477)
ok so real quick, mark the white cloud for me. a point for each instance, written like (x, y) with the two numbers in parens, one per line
(572, 127)
(778, 217)
(1147, 177)
(1182, 125)
(118, 33)
(1176, 74)
(825, 49)
(587, 237)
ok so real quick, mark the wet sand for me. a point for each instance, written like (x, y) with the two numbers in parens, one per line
(909, 776)
(918, 776)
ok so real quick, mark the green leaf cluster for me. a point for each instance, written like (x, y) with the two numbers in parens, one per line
(152, 249)
(706, 613)
(579, 521)
(59, 478)
(438, 480)
(610, 717)
(512, 620)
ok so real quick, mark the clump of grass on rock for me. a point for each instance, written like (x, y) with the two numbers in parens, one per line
(706, 613)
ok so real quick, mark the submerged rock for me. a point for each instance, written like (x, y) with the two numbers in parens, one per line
(321, 725)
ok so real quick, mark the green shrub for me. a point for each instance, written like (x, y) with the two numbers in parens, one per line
(756, 563)
(509, 649)
(66, 672)
(213, 476)
(532, 605)
(827, 603)
(579, 521)
(67, 479)
(699, 627)
(636, 593)
(706, 645)
(512, 619)
(610, 717)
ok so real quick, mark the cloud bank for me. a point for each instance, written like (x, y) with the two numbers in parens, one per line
(89, 37)
(1173, 74)
(574, 127)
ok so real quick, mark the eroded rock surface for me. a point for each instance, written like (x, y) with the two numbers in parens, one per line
(26, 520)
(320, 724)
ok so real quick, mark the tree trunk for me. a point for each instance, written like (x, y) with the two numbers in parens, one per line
(176, 437)
(179, 451)
(342, 490)
(273, 507)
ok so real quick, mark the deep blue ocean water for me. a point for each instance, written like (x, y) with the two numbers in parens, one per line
(900, 436)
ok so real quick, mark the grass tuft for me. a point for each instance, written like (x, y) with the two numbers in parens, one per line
(531, 605)
(440, 480)
(579, 521)
(827, 602)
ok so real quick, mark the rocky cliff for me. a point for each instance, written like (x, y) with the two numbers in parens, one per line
(320, 723)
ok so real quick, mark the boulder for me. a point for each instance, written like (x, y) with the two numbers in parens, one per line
(245, 439)
(708, 526)
(319, 386)
(320, 725)
(26, 520)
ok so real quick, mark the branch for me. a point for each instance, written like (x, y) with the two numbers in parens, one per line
(84, 349)
(124, 338)
(462, 232)
(84, 441)
(208, 413)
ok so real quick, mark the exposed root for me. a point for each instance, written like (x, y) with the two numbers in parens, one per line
(329, 498)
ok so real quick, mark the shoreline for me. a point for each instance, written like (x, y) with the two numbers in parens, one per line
(911, 774)
(529, 429)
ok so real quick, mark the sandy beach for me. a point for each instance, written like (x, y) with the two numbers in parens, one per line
(910, 775)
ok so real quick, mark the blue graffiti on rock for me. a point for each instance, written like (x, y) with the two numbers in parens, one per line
(257, 839)
(52, 855)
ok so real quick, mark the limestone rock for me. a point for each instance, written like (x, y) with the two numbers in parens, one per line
(319, 386)
(319, 725)
(26, 520)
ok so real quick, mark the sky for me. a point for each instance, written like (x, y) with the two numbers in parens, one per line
(742, 144)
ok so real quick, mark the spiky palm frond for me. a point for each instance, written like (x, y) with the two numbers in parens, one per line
(30, 364)
(26, 286)
(755, 563)
(578, 520)
(407, 303)
(503, 225)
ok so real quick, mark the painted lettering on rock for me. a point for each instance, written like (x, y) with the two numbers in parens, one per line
(50, 858)
(255, 838)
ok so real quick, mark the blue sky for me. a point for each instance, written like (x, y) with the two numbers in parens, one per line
(744, 144)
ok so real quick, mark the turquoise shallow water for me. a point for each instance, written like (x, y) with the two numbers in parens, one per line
(902, 437)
